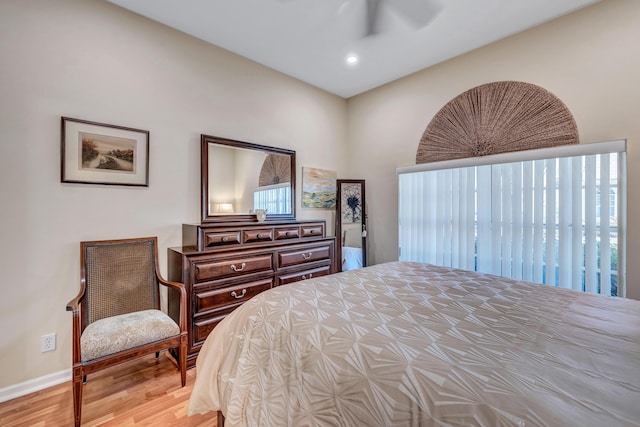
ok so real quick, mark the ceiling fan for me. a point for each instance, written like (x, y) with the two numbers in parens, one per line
(418, 13)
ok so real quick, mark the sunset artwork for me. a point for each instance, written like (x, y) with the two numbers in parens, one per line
(318, 188)
(106, 153)
(100, 153)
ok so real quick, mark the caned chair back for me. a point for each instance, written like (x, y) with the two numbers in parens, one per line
(120, 278)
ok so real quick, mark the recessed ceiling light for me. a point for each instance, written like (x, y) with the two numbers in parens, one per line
(352, 59)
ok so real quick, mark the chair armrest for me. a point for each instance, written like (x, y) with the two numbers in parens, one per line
(176, 285)
(74, 304)
(75, 307)
(183, 300)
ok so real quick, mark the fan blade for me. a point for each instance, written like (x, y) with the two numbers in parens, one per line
(372, 17)
(417, 12)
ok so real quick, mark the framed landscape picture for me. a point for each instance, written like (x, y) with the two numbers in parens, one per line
(318, 188)
(98, 153)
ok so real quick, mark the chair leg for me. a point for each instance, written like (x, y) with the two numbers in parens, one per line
(183, 359)
(78, 379)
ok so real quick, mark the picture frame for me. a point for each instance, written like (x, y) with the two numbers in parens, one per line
(350, 193)
(99, 153)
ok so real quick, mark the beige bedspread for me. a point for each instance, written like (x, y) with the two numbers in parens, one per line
(408, 344)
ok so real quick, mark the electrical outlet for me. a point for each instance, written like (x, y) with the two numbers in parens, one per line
(48, 342)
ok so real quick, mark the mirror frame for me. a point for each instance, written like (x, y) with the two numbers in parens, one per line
(363, 220)
(205, 140)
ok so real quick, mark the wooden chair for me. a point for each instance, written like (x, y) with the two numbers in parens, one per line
(116, 315)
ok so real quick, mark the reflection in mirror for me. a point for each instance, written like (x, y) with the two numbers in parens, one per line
(351, 224)
(239, 178)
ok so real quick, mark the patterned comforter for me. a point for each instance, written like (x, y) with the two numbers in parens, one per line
(408, 344)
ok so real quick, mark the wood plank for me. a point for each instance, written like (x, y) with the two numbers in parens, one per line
(141, 392)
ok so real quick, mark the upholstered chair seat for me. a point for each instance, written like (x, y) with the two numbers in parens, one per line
(114, 334)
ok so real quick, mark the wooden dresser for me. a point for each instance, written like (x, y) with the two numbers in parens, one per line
(224, 264)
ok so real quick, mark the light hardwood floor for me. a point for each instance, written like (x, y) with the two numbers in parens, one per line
(145, 392)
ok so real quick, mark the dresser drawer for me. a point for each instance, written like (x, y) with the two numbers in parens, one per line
(287, 233)
(265, 235)
(303, 275)
(301, 256)
(211, 270)
(315, 230)
(226, 297)
(221, 238)
(202, 328)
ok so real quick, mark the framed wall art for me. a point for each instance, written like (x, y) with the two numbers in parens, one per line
(350, 193)
(98, 153)
(318, 188)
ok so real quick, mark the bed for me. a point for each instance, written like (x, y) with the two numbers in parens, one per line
(408, 344)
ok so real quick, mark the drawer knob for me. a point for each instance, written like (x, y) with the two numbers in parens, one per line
(236, 296)
(312, 231)
(307, 256)
(225, 238)
(304, 277)
(234, 268)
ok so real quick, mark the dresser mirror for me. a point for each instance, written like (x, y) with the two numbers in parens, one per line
(351, 224)
(241, 178)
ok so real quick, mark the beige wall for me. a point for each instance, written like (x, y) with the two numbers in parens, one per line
(589, 59)
(91, 60)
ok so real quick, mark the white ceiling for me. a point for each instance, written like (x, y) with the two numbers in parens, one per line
(310, 39)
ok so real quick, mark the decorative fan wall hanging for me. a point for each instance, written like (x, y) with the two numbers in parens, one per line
(275, 170)
(497, 118)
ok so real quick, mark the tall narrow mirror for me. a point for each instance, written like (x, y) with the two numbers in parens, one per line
(351, 224)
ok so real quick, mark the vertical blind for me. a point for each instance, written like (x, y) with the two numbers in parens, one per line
(275, 199)
(553, 216)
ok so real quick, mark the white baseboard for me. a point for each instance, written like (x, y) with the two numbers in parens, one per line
(36, 384)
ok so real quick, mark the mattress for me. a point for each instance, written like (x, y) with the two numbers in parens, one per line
(410, 344)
